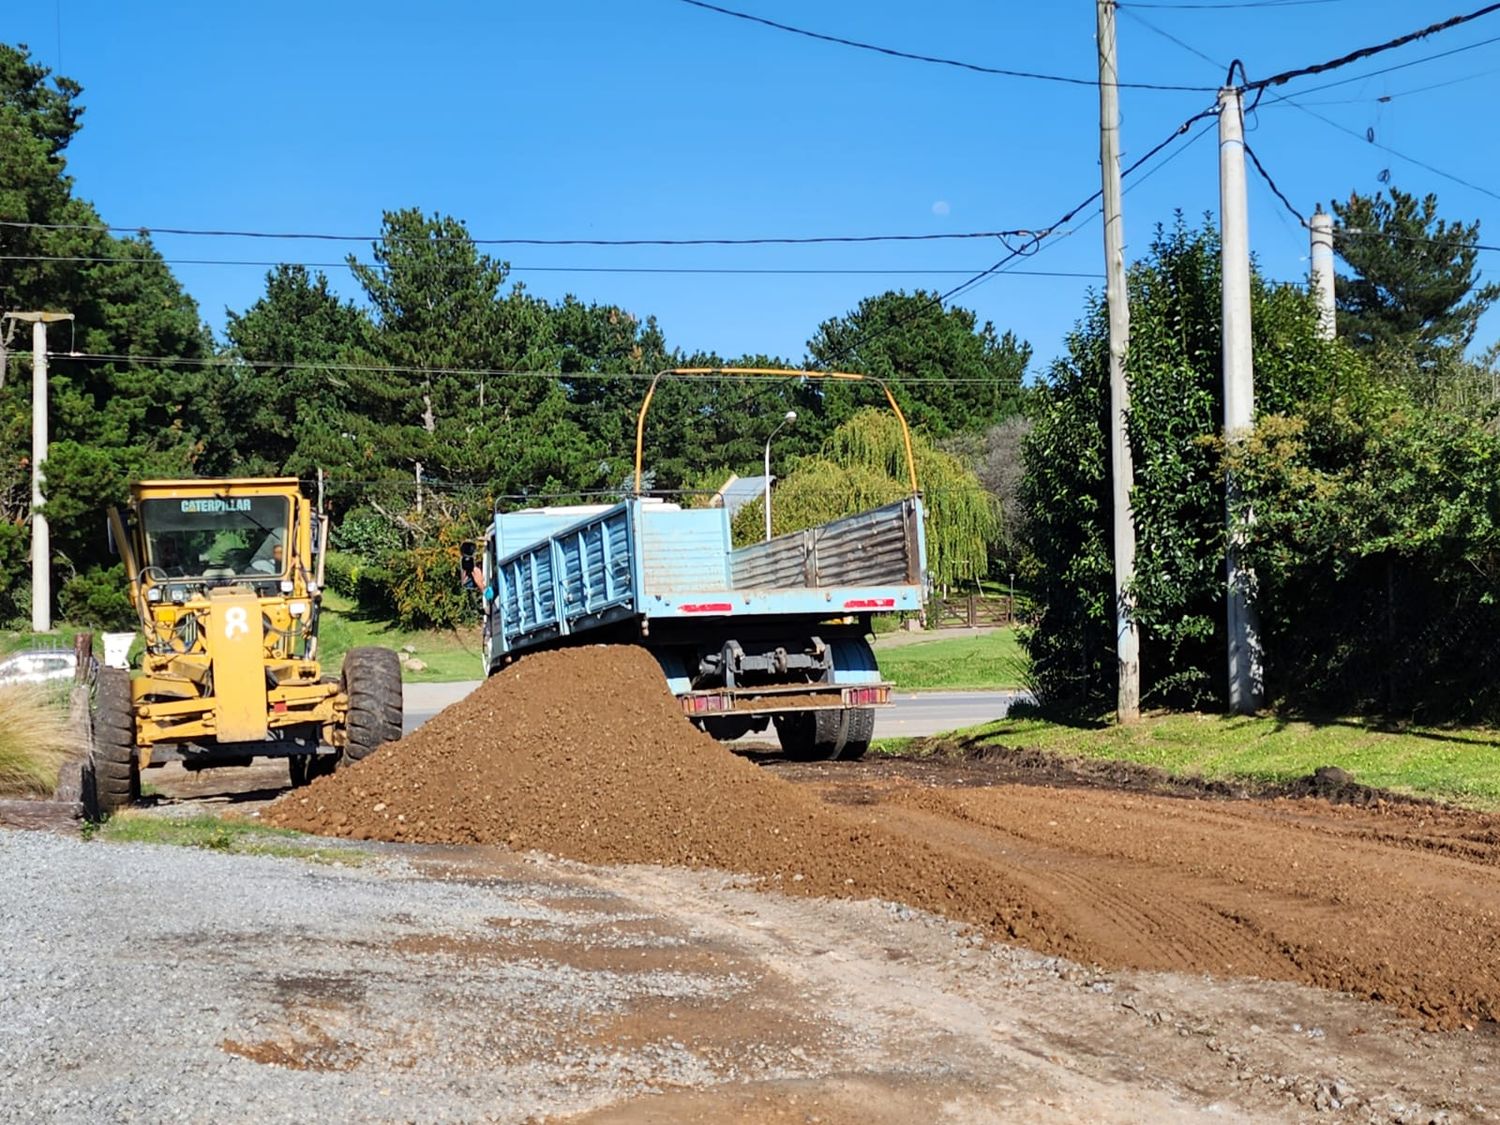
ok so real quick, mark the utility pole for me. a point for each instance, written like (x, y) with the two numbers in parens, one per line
(41, 539)
(1121, 468)
(419, 488)
(1321, 232)
(1245, 665)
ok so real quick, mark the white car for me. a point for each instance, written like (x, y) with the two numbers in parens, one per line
(37, 667)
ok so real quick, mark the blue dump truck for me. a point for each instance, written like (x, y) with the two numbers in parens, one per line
(771, 633)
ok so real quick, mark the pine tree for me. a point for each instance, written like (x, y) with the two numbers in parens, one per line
(1412, 284)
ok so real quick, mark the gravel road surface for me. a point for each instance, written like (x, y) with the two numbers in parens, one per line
(160, 984)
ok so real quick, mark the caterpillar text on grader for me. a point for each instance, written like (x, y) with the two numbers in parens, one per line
(226, 579)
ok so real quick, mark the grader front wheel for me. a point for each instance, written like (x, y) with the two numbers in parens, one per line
(117, 774)
(372, 680)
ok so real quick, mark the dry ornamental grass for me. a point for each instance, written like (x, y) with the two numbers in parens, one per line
(34, 739)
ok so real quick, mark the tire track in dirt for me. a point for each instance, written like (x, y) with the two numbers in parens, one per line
(1416, 929)
(583, 753)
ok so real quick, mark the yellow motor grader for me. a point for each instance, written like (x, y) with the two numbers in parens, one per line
(226, 579)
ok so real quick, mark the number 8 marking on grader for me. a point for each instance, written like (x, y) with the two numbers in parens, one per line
(235, 621)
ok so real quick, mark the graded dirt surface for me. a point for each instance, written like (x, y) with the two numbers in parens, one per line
(583, 754)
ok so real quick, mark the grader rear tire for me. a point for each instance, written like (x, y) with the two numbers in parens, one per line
(117, 772)
(372, 680)
(307, 768)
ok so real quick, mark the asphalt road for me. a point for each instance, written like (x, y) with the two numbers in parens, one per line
(913, 714)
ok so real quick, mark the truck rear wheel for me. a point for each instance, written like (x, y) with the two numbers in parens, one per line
(372, 681)
(859, 728)
(810, 736)
(117, 771)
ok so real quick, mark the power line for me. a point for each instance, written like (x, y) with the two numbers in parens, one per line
(1031, 246)
(325, 237)
(1149, 26)
(1390, 69)
(1366, 52)
(1369, 138)
(1357, 232)
(1386, 98)
(1271, 183)
(893, 271)
(894, 53)
(1228, 6)
(1034, 245)
(238, 363)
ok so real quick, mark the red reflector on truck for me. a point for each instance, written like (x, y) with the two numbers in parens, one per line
(709, 607)
(870, 603)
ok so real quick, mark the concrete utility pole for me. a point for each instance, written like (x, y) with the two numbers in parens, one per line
(1246, 677)
(1121, 468)
(1321, 232)
(41, 539)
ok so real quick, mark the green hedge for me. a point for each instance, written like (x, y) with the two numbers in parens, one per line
(366, 584)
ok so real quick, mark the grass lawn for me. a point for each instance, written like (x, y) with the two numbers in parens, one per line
(242, 837)
(1455, 764)
(60, 637)
(968, 662)
(449, 655)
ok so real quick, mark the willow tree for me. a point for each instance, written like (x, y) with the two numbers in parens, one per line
(862, 465)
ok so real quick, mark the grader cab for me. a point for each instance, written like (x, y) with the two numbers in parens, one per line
(225, 577)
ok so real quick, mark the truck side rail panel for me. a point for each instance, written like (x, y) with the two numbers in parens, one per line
(574, 579)
(882, 547)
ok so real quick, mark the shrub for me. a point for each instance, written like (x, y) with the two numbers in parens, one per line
(98, 597)
(425, 591)
(366, 584)
(368, 534)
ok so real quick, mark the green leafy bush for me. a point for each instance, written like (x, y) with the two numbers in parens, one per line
(368, 534)
(1376, 542)
(98, 597)
(1178, 499)
(425, 590)
(366, 584)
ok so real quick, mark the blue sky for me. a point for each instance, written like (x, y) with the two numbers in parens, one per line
(651, 118)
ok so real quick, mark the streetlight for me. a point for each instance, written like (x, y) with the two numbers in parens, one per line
(791, 416)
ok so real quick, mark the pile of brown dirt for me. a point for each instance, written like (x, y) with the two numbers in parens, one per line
(585, 754)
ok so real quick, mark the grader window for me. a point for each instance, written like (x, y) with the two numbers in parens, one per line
(217, 536)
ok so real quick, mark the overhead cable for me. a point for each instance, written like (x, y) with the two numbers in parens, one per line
(912, 56)
(1390, 69)
(913, 271)
(1271, 183)
(1367, 52)
(1358, 232)
(1369, 138)
(232, 363)
(939, 236)
(1167, 35)
(1228, 6)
